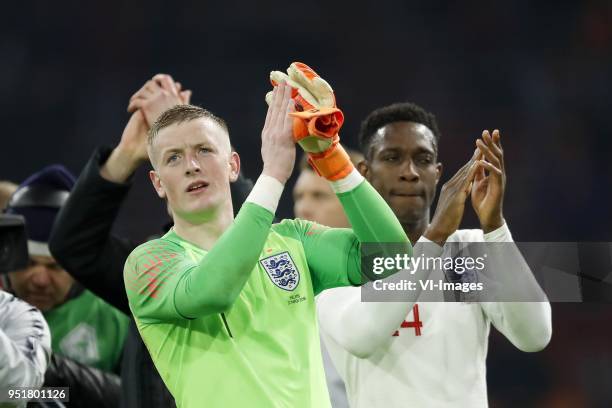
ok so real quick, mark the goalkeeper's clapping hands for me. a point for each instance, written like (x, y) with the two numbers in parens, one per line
(277, 145)
(316, 120)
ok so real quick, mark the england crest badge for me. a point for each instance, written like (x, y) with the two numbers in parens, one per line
(282, 270)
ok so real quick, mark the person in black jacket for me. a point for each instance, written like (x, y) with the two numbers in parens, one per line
(82, 241)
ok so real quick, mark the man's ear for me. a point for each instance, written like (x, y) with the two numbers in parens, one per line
(234, 163)
(157, 184)
(439, 169)
(363, 168)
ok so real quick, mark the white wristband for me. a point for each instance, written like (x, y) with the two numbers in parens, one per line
(347, 183)
(266, 193)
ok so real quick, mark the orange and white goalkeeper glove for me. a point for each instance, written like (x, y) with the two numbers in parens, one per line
(316, 120)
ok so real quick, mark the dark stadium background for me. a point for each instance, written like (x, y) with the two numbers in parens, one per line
(539, 71)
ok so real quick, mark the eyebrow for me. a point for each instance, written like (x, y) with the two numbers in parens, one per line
(418, 150)
(390, 149)
(422, 149)
(180, 149)
(171, 150)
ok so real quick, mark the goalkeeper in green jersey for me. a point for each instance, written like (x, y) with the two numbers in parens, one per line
(226, 305)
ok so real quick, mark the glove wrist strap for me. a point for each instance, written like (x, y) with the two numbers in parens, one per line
(333, 164)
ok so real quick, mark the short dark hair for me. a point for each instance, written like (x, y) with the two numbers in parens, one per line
(180, 114)
(397, 112)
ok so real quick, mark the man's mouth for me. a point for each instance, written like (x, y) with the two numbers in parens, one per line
(405, 193)
(196, 186)
(39, 297)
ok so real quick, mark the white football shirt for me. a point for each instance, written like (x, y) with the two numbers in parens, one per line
(427, 354)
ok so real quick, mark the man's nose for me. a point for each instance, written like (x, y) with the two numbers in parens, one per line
(40, 276)
(193, 166)
(408, 171)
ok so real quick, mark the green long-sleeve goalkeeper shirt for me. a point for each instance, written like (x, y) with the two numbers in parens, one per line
(264, 351)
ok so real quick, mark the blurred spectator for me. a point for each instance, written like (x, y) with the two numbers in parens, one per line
(83, 326)
(87, 334)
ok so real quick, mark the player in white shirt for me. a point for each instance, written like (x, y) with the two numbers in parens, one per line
(429, 354)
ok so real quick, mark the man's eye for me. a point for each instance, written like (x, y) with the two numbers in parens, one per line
(172, 158)
(425, 159)
(205, 150)
(390, 158)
